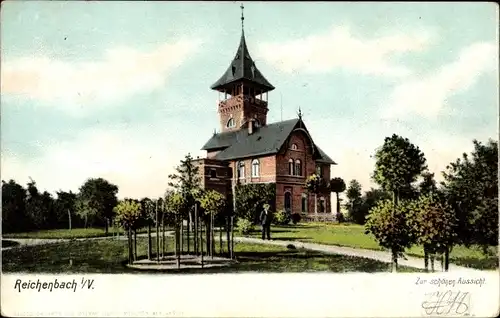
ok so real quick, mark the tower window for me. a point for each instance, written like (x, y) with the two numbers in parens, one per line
(255, 168)
(290, 167)
(298, 168)
(241, 170)
(213, 173)
(294, 147)
(230, 123)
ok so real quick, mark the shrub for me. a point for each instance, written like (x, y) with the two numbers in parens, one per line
(250, 200)
(282, 217)
(296, 218)
(245, 227)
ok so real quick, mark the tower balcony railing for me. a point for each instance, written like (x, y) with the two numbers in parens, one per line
(238, 99)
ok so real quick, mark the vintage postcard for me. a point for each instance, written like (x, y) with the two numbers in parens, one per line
(255, 159)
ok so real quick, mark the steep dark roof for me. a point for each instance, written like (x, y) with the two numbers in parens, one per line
(265, 140)
(243, 68)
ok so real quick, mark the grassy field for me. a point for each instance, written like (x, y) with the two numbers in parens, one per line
(66, 233)
(352, 235)
(109, 256)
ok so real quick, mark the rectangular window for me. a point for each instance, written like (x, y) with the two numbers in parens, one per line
(322, 205)
(319, 171)
(213, 173)
(304, 202)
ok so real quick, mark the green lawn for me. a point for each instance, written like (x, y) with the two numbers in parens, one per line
(352, 235)
(109, 256)
(66, 233)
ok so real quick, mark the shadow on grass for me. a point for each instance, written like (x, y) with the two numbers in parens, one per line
(488, 262)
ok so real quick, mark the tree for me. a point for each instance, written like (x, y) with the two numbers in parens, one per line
(98, 197)
(35, 208)
(128, 215)
(433, 223)
(250, 200)
(147, 207)
(14, 218)
(66, 209)
(389, 225)
(337, 185)
(366, 203)
(428, 185)
(398, 165)
(354, 202)
(213, 203)
(175, 204)
(315, 184)
(471, 187)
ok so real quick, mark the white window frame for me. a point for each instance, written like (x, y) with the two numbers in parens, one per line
(241, 169)
(291, 166)
(298, 164)
(231, 123)
(255, 168)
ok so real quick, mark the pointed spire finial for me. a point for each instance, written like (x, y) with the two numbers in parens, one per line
(300, 113)
(242, 16)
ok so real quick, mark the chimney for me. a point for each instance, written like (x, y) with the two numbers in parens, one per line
(250, 126)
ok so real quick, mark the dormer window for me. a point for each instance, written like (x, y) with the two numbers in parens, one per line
(231, 123)
(294, 147)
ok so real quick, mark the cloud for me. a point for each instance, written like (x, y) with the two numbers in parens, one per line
(138, 161)
(78, 86)
(341, 49)
(428, 95)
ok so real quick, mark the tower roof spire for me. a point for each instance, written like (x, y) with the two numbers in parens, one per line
(242, 18)
(242, 68)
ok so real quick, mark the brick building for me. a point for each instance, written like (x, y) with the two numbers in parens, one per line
(248, 149)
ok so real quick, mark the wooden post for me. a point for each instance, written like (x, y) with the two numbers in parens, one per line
(232, 237)
(212, 247)
(157, 234)
(149, 241)
(188, 230)
(177, 243)
(221, 251)
(163, 235)
(69, 217)
(182, 235)
(196, 229)
(201, 243)
(130, 259)
(135, 244)
(228, 237)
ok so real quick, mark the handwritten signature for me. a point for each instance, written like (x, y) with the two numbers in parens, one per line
(446, 303)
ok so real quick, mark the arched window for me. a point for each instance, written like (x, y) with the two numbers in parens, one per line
(298, 168)
(294, 147)
(322, 205)
(231, 123)
(304, 202)
(290, 167)
(255, 168)
(241, 170)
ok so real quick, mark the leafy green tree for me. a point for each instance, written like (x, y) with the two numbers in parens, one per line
(354, 202)
(187, 180)
(390, 227)
(97, 197)
(129, 216)
(14, 218)
(35, 208)
(471, 187)
(428, 185)
(433, 223)
(398, 165)
(250, 200)
(175, 206)
(66, 209)
(213, 203)
(316, 184)
(148, 213)
(337, 185)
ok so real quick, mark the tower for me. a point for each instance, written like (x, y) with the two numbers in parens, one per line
(245, 91)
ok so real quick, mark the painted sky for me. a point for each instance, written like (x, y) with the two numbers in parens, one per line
(120, 90)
